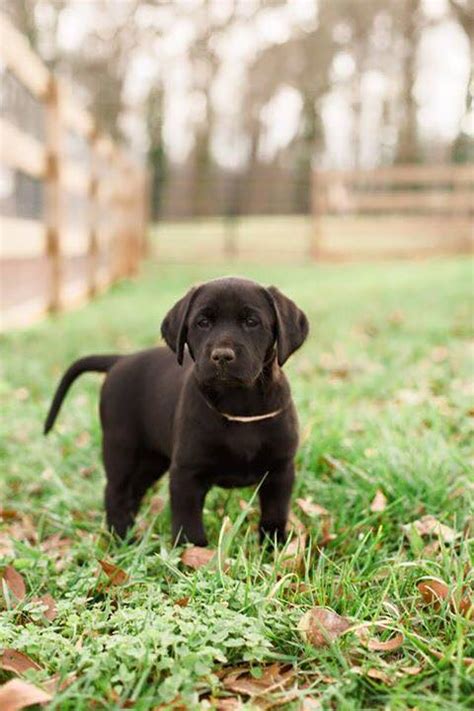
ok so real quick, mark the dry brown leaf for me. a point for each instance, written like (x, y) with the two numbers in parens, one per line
(431, 549)
(310, 704)
(7, 547)
(430, 526)
(54, 683)
(390, 645)
(311, 509)
(465, 606)
(9, 514)
(230, 704)
(14, 582)
(16, 662)
(380, 675)
(292, 556)
(244, 506)
(56, 544)
(411, 671)
(295, 524)
(116, 575)
(274, 678)
(182, 602)
(467, 661)
(326, 536)
(197, 556)
(16, 694)
(379, 503)
(47, 600)
(157, 504)
(320, 626)
(83, 439)
(433, 590)
(23, 529)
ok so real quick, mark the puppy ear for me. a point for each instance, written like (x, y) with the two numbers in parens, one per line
(292, 326)
(174, 328)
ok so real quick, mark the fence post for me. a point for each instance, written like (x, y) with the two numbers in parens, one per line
(52, 194)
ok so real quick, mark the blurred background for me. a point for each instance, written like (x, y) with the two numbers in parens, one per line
(228, 129)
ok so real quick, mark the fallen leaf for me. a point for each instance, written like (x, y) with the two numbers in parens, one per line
(22, 394)
(431, 548)
(430, 526)
(320, 626)
(16, 662)
(433, 590)
(230, 704)
(390, 645)
(245, 506)
(295, 524)
(396, 317)
(7, 547)
(274, 678)
(380, 675)
(327, 536)
(16, 694)
(116, 575)
(292, 556)
(48, 601)
(56, 544)
(157, 504)
(86, 472)
(310, 704)
(379, 503)
(411, 671)
(14, 582)
(467, 661)
(9, 514)
(182, 602)
(311, 509)
(465, 606)
(83, 439)
(54, 683)
(197, 556)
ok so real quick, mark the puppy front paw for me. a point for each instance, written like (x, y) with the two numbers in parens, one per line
(271, 532)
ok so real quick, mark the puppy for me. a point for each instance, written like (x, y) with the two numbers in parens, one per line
(218, 413)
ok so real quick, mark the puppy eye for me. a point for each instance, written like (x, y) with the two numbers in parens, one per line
(251, 322)
(203, 322)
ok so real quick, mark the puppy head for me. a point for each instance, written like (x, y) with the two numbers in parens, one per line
(231, 327)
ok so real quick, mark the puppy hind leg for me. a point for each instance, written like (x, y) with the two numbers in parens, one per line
(120, 462)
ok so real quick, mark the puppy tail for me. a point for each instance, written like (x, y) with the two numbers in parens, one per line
(93, 363)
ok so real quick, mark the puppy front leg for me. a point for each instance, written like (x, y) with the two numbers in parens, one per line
(187, 495)
(275, 494)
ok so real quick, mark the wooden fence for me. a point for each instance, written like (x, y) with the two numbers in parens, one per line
(83, 224)
(404, 210)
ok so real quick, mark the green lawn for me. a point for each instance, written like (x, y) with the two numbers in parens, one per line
(382, 388)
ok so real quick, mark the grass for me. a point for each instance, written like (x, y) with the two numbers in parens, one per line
(382, 388)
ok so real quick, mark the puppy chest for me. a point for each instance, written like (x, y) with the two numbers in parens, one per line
(239, 460)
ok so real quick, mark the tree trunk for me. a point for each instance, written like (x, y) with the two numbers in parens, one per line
(407, 151)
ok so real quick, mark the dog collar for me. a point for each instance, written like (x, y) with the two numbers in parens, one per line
(251, 418)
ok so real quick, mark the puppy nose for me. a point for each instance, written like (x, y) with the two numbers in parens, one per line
(223, 355)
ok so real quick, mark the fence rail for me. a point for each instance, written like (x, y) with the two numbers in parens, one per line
(63, 257)
(400, 210)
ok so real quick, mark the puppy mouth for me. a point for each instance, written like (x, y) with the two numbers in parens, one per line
(223, 375)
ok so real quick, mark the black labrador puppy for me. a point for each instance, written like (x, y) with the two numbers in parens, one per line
(220, 413)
